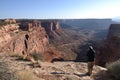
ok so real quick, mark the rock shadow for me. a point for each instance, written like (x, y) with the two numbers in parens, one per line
(81, 75)
(81, 55)
(57, 73)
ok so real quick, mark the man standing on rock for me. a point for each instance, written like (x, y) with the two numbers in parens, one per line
(90, 59)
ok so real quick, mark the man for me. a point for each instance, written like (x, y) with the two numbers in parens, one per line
(90, 59)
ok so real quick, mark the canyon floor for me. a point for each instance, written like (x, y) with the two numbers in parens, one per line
(66, 70)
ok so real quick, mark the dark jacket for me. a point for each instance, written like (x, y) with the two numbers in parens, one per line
(90, 55)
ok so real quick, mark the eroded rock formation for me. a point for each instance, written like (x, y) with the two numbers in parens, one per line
(56, 34)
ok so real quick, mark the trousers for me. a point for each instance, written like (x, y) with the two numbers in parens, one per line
(90, 67)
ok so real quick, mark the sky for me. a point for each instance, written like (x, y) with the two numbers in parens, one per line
(59, 9)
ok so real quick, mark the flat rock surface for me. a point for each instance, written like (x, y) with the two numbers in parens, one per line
(51, 71)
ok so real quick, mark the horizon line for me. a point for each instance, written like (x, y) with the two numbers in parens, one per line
(55, 18)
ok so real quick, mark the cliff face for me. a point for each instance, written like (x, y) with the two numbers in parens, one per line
(29, 42)
(33, 39)
(110, 50)
(4, 39)
(7, 26)
(114, 31)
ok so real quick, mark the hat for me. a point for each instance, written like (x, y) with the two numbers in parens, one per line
(90, 47)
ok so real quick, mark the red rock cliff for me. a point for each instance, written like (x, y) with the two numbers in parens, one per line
(110, 50)
(33, 40)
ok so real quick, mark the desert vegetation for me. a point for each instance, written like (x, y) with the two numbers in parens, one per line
(5, 22)
(5, 73)
(2, 23)
(26, 75)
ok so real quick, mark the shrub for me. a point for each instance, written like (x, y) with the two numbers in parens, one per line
(37, 56)
(26, 75)
(3, 23)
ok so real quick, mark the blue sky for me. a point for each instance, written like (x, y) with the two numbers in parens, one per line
(59, 9)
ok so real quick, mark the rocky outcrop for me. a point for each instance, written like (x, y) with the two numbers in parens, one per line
(7, 26)
(10, 21)
(110, 50)
(10, 27)
(4, 39)
(50, 26)
(31, 41)
(29, 25)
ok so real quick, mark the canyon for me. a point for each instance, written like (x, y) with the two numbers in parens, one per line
(53, 39)
(57, 48)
